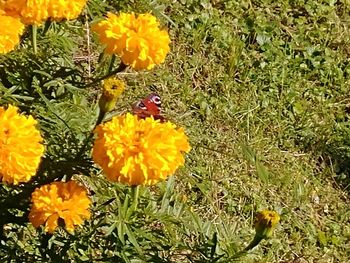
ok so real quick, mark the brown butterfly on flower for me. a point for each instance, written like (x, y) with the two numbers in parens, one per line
(149, 106)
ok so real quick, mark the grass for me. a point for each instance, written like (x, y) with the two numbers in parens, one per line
(262, 89)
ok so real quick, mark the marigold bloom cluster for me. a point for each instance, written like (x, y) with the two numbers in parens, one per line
(10, 31)
(20, 146)
(37, 11)
(29, 11)
(137, 40)
(65, 9)
(139, 151)
(265, 222)
(59, 200)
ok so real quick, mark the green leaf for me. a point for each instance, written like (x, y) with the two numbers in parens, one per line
(321, 236)
(132, 239)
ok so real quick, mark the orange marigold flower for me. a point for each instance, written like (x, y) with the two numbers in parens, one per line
(137, 40)
(30, 11)
(10, 31)
(139, 151)
(65, 9)
(11, 7)
(20, 146)
(66, 201)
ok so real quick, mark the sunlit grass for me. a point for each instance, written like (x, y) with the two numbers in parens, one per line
(262, 91)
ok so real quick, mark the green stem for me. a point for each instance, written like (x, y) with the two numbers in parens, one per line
(46, 27)
(111, 64)
(257, 239)
(100, 117)
(136, 192)
(101, 57)
(101, 114)
(34, 34)
(121, 68)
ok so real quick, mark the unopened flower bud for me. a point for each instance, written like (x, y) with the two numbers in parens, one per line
(111, 91)
(265, 223)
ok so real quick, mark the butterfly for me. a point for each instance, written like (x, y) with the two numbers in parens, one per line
(149, 106)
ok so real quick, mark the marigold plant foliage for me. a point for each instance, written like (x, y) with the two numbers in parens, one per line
(139, 151)
(20, 146)
(10, 31)
(59, 200)
(137, 40)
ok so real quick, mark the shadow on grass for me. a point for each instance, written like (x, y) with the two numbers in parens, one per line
(333, 148)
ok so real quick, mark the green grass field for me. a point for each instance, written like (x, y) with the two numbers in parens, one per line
(262, 89)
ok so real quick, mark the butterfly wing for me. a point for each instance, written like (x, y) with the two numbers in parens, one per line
(153, 104)
(149, 106)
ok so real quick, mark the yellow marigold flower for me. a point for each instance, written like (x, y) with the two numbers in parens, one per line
(30, 11)
(65, 9)
(138, 41)
(10, 31)
(265, 222)
(111, 90)
(139, 151)
(65, 201)
(20, 146)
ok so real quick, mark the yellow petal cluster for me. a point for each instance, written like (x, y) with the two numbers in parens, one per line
(265, 222)
(29, 11)
(10, 31)
(59, 201)
(137, 40)
(37, 11)
(20, 146)
(65, 9)
(11, 7)
(139, 151)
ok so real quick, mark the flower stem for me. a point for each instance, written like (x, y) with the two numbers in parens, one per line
(136, 192)
(121, 68)
(111, 64)
(101, 57)
(47, 26)
(34, 34)
(101, 114)
(100, 117)
(257, 239)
